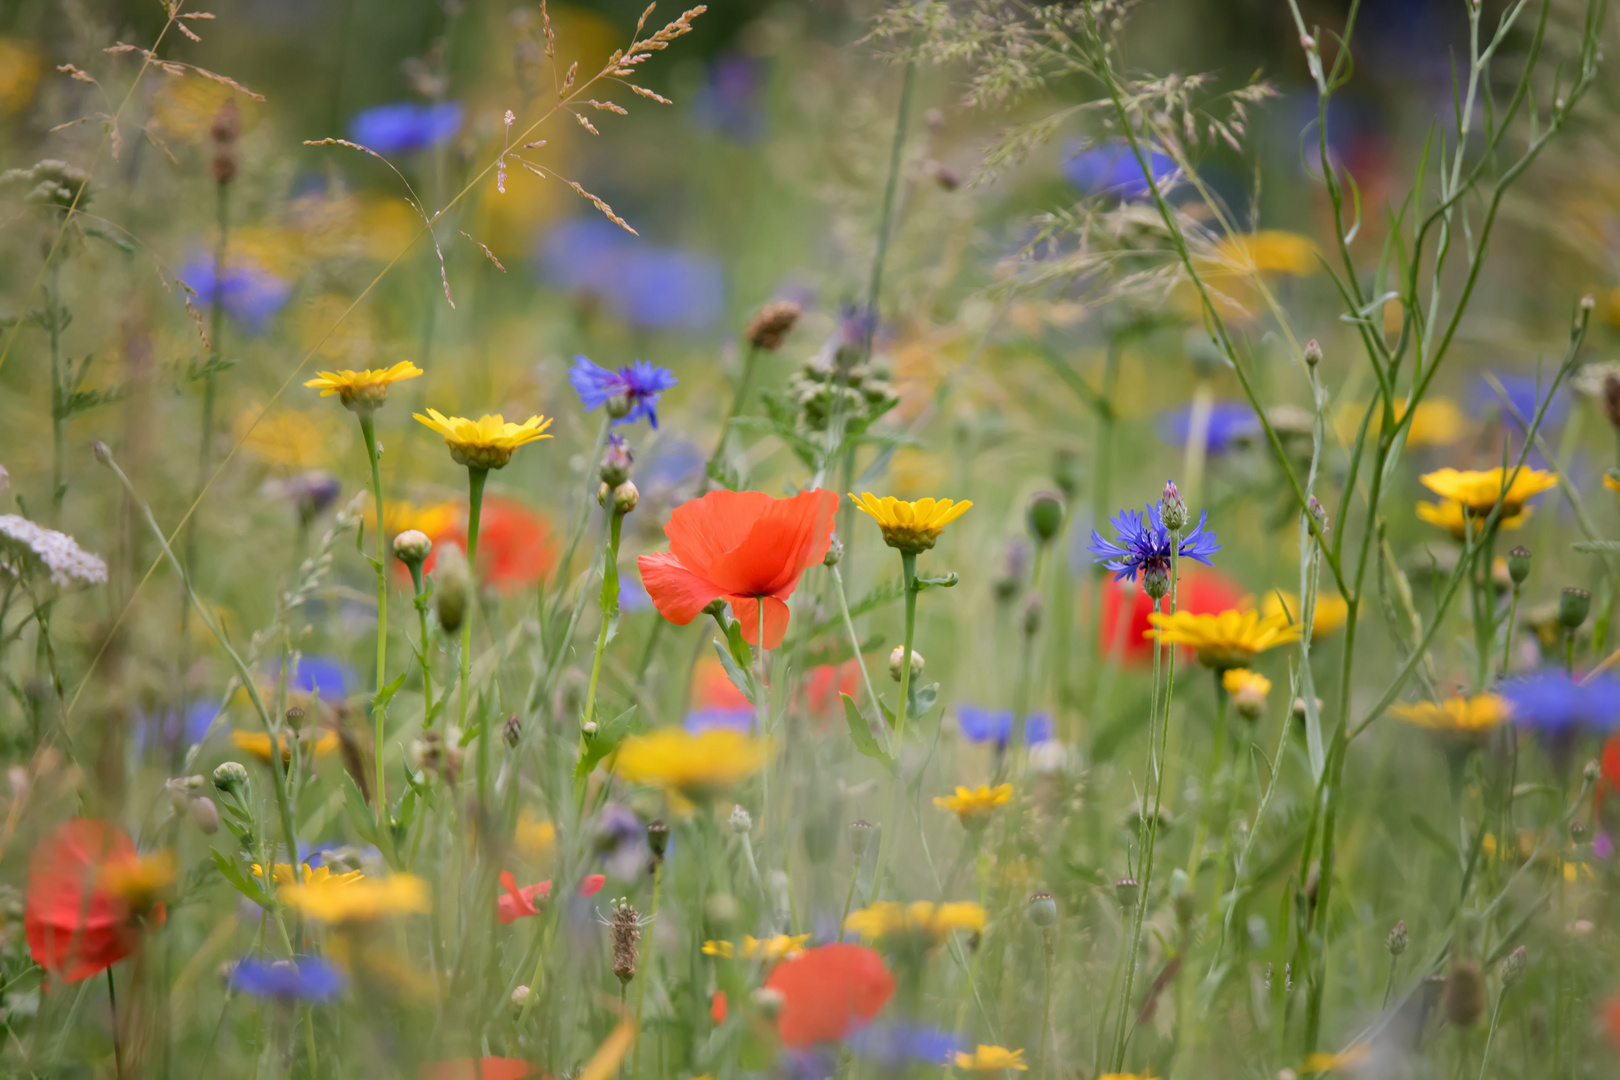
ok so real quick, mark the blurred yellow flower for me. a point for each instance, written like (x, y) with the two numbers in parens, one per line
(1269, 251)
(972, 806)
(1448, 515)
(1237, 681)
(534, 838)
(283, 874)
(335, 329)
(770, 949)
(910, 526)
(257, 743)
(338, 901)
(1329, 616)
(693, 766)
(293, 440)
(184, 107)
(20, 65)
(914, 470)
(1469, 715)
(363, 390)
(921, 923)
(433, 519)
(1437, 422)
(139, 882)
(1479, 492)
(486, 443)
(1324, 1062)
(1228, 640)
(1611, 481)
(991, 1059)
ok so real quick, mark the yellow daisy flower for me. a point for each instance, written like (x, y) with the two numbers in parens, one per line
(1330, 614)
(535, 838)
(770, 949)
(1228, 640)
(693, 766)
(1269, 251)
(363, 391)
(335, 900)
(257, 743)
(1248, 690)
(1448, 514)
(139, 882)
(1611, 480)
(921, 924)
(1457, 715)
(972, 806)
(485, 443)
(991, 1059)
(910, 526)
(315, 875)
(1324, 1062)
(1479, 492)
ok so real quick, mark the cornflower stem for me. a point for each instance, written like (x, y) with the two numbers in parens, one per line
(738, 398)
(379, 712)
(652, 943)
(421, 602)
(854, 641)
(118, 1041)
(205, 441)
(609, 602)
(1490, 1033)
(1046, 1004)
(1512, 624)
(1569, 653)
(476, 477)
(59, 392)
(908, 573)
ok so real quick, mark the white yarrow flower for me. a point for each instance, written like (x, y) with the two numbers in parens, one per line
(26, 547)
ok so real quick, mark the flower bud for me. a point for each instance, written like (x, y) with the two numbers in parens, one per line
(1066, 472)
(588, 728)
(1588, 302)
(1573, 605)
(618, 406)
(452, 586)
(769, 1002)
(1464, 996)
(1043, 909)
(412, 547)
(521, 995)
(771, 325)
(1318, 514)
(658, 838)
(1156, 580)
(1313, 353)
(1033, 609)
(861, 835)
(714, 607)
(616, 461)
(1513, 966)
(625, 497)
(1172, 510)
(231, 777)
(1518, 562)
(1592, 772)
(1127, 891)
(741, 822)
(102, 452)
(1045, 516)
(1397, 941)
(512, 730)
(897, 660)
(1182, 897)
(205, 814)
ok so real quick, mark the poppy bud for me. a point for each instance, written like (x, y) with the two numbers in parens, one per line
(897, 660)
(658, 838)
(1045, 516)
(205, 814)
(1042, 909)
(1518, 561)
(452, 585)
(412, 547)
(1127, 891)
(1172, 510)
(1573, 605)
(835, 552)
(861, 835)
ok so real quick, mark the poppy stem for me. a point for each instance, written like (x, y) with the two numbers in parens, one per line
(379, 709)
(475, 503)
(118, 1042)
(762, 709)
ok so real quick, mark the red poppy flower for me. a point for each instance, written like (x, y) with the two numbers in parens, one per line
(490, 1068)
(87, 899)
(1611, 1019)
(1203, 592)
(743, 547)
(520, 903)
(826, 682)
(514, 544)
(713, 689)
(717, 1007)
(828, 991)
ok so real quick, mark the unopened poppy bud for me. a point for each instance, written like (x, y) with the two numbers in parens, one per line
(1313, 353)
(1127, 891)
(521, 995)
(1518, 561)
(1513, 966)
(1032, 614)
(625, 497)
(1042, 909)
(452, 584)
(618, 406)
(616, 461)
(205, 814)
(835, 552)
(1464, 997)
(897, 660)
(658, 838)
(1172, 510)
(1045, 516)
(1397, 941)
(1573, 605)
(412, 547)
(231, 777)
(861, 835)
(769, 1002)
(741, 821)
(295, 717)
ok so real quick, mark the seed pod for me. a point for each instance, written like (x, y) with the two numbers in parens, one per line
(452, 586)
(1464, 997)
(1043, 909)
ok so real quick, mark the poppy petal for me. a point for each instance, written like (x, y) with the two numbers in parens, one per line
(703, 530)
(679, 594)
(746, 611)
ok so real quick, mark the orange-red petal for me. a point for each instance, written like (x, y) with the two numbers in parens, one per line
(69, 934)
(746, 611)
(679, 594)
(827, 991)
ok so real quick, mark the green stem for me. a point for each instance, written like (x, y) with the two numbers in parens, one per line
(421, 602)
(885, 222)
(908, 573)
(609, 603)
(587, 497)
(1046, 1006)
(379, 711)
(738, 399)
(1512, 624)
(118, 1041)
(854, 641)
(849, 898)
(652, 943)
(475, 504)
(53, 314)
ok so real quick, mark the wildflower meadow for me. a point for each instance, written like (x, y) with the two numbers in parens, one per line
(809, 539)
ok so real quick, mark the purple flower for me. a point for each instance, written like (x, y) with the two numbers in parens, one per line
(989, 725)
(641, 383)
(1555, 703)
(168, 728)
(894, 1046)
(658, 288)
(248, 292)
(405, 126)
(1525, 395)
(307, 979)
(1143, 543)
(1111, 169)
(700, 720)
(1230, 422)
(621, 840)
(729, 100)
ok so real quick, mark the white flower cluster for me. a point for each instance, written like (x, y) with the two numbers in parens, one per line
(25, 546)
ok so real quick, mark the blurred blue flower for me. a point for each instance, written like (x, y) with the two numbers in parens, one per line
(633, 594)
(621, 840)
(405, 126)
(1143, 544)
(670, 463)
(728, 102)
(816, 1063)
(641, 382)
(309, 978)
(894, 1046)
(1526, 397)
(1555, 703)
(326, 674)
(988, 725)
(700, 720)
(248, 292)
(1229, 423)
(170, 728)
(650, 286)
(1111, 169)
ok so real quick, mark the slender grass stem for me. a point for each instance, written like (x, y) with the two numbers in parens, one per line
(475, 502)
(379, 710)
(652, 943)
(886, 842)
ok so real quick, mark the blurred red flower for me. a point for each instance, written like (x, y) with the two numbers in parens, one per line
(743, 547)
(713, 689)
(520, 903)
(828, 991)
(514, 544)
(1610, 1011)
(89, 897)
(717, 1007)
(490, 1068)
(1201, 592)
(826, 682)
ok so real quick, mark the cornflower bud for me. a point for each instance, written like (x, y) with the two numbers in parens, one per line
(1172, 510)
(616, 461)
(835, 552)
(1313, 353)
(1045, 516)
(1513, 966)
(1592, 772)
(658, 838)
(1182, 898)
(1518, 562)
(625, 497)
(1318, 514)
(412, 547)
(1033, 609)
(1156, 580)
(618, 406)
(897, 660)
(1397, 941)
(741, 822)
(1573, 605)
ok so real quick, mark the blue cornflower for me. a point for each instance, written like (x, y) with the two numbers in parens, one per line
(248, 292)
(1555, 703)
(650, 286)
(405, 126)
(989, 725)
(308, 979)
(1143, 544)
(1525, 393)
(168, 728)
(894, 1046)
(641, 383)
(1230, 422)
(324, 674)
(1111, 169)
(700, 720)
(729, 101)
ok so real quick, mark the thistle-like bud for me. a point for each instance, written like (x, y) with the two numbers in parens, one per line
(625, 930)
(1127, 891)
(658, 838)
(1172, 510)
(1588, 302)
(1573, 605)
(1464, 996)
(1182, 897)
(1045, 516)
(1513, 966)
(1313, 353)
(1318, 514)
(771, 325)
(1033, 609)
(741, 822)
(412, 547)
(616, 461)
(861, 835)
(102, 452)
(1397, 941)
(835, 552)
(452, 585)
(625, 497)
(1518, 562)
(1042, 910)
(512, 730)
(1592, 772)
(231, 777)
(897, 660)
(618, 406)
(205, 814)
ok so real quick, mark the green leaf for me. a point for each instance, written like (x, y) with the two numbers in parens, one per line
(733, 672)
(386, 694)
(1597, 547)
(603, 743)
(861, 733)
(725, 476)
(888, 713)
(233, 874)
(944, 581)
(923, 698)
(359, 813)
